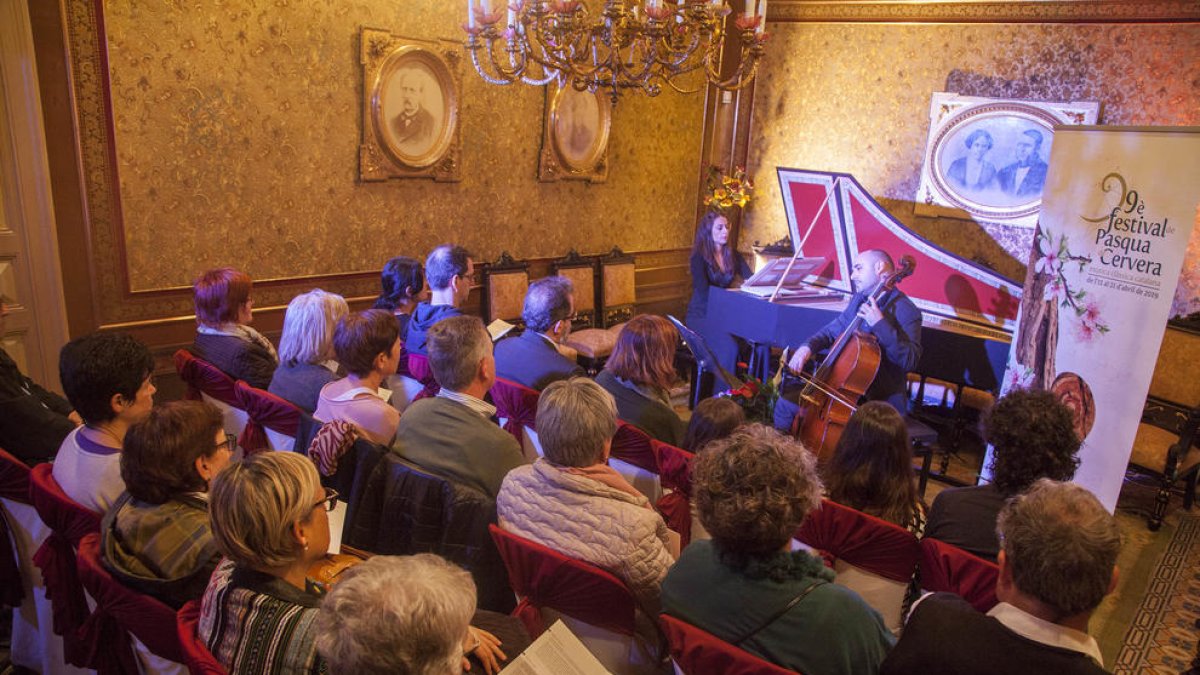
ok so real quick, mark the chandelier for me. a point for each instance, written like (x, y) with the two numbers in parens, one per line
(628, 44)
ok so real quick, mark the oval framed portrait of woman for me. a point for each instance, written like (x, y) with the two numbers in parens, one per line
(989, 158)
(575, 136)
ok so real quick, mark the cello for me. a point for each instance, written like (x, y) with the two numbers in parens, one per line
(830, 395)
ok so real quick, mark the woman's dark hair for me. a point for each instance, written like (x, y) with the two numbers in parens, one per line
(752, 490)
(977, 134)
(871, 467)
(94, 367)
(712, 419)
(398, 276)
(159, 457)
(361, 336)
(1033, 436)
(704, 245)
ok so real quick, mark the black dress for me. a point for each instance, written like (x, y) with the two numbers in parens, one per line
(704, 276)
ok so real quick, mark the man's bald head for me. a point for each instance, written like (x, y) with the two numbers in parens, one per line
(874, 256)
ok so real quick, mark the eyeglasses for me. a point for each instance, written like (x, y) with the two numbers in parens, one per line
(329, 501)
(230, 443)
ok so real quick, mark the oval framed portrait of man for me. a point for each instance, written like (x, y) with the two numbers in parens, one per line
(415, 106)
(575, 140)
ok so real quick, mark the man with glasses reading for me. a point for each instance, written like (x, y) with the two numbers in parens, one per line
(532, 359)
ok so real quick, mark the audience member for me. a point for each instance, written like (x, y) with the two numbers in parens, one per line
(452, 434)
(449, 270)
(107, 378)
(1057, 562)
(224, 337)
(403, 286)
(572, 501)
(33, 421)
(368, 347)
(270, 518)
(871, 468)
(713, 419)
(403, 614)
(753, 489)
(532, 358)
(156, 537)
(1032, 436)
(306, 358)
(639, 375)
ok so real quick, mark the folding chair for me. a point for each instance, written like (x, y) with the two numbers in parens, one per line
(873, 557)
(272, 421)
(698, 652)
(633, 457)
(196, 656)
(516, 406)
(208, 383)
(949, 568)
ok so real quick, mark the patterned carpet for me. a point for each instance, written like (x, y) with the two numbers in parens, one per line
(1162, 633)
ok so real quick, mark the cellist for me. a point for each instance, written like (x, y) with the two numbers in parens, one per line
(894, 321)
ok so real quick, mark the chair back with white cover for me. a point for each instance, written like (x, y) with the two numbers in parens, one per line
(873, 557)
(516, 406)
(83, 646)
(273, 421)
(147, 619)
(951, 569)
(208, 383)
(633, 457)
(698, 652)
(419, 370)
(196, 656)
(675, 475)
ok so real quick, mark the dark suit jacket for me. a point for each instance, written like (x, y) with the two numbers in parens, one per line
(529, 359)
(1031, 185)
(237, 358)
(417, 131)
(33, 421)
(966, 518)
(653, 417)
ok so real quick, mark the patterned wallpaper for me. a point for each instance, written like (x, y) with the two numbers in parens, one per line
(855, 98)
(237, 134)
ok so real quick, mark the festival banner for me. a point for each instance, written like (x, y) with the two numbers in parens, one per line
(1118, 208)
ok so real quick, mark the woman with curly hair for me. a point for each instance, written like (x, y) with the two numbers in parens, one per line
(871, 468)
(1032, 436)
(639, 375)
(746, 585)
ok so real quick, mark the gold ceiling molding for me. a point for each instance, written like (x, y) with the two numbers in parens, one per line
(995, 11)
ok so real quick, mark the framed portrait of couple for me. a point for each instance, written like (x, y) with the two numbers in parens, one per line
(986, 159)
(410, 108)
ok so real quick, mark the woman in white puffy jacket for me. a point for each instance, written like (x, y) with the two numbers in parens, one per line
(573, 502)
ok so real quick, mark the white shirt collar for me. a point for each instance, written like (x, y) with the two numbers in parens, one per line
(477, 404)
(1039, 630)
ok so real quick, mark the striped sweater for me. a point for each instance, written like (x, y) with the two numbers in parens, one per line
(253, 622)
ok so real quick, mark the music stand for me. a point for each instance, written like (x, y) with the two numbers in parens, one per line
(705, 359)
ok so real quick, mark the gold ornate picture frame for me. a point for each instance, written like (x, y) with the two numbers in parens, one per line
(575, 132)
(410, 123)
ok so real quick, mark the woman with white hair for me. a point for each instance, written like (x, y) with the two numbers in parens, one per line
(573, 502)
(270, 519)
(306, 358)
(402, 614)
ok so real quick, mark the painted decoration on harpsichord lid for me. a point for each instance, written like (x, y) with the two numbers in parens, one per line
(986, 159)
(410, 108)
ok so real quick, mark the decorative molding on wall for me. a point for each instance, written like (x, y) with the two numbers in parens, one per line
(996, 11)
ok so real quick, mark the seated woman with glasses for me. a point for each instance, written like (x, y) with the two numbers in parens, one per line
(270, 519)
(156, 538)
(639, 375)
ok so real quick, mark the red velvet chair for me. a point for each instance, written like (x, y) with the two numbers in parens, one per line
(418, 369)
(69, 523)
(542, 577)
(516, 406)
(698, 652)
(634, 458)
(951, 569)
(14, 485)
(196, 656)
(206, 382)
(146, 618)
(675, 473)
(269, 415)
(871, 556)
